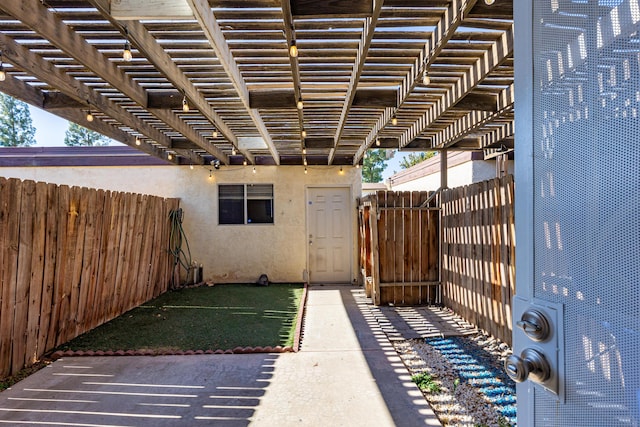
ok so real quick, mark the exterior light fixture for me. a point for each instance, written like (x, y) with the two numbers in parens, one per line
(293, 49)
(299, 104)
(185, 104)
(341, 172)
(425, 77)
(138, 142)
(357, 165)
(126, 52)
(89, 116)
(394, 120)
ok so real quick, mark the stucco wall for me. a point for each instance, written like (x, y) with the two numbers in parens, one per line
(229, 253)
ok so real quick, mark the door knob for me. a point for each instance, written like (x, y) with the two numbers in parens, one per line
(531, 363)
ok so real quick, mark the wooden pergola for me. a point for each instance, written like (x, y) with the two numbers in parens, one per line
(219, 79)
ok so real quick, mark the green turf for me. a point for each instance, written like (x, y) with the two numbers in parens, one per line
(203, 318)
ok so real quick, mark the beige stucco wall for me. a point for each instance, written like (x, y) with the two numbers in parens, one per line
(229, 253)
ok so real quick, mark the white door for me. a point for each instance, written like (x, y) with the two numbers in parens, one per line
(329, 235)
(577, 307)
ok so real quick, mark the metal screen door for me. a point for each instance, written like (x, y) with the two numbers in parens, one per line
(578, 210)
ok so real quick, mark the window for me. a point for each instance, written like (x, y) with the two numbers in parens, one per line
(245, 203)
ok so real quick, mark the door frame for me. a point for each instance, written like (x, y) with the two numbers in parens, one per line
(352, 221)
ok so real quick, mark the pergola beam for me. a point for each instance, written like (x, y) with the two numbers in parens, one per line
(361, 56)
(209, 24)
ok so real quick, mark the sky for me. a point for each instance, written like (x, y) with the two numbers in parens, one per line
(50, 130)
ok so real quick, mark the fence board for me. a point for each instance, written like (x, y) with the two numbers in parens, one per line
(72, 258)
(478, 247)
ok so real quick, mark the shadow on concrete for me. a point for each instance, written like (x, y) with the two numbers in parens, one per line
(141, 391)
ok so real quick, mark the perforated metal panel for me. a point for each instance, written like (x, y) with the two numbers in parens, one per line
(586, 127)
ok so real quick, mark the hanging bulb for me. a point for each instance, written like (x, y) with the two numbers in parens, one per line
(185, 104)
(489, 2)
(425, 77)
(214, 133)
(377, 142)
(169, 156)
(304, 150)
(304, 161)
(293, 50)
(305, 170)
(341, 170)
(138, 142)
(299, 104)
(244, 162)
(191, 167)
(89, 116)
(233, 151)
(3, 73)
(394, 120)
(357, 165)
(126, 53)
(254, 169)
(304, 133)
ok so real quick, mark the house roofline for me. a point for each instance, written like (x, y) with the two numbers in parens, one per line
(76, 156)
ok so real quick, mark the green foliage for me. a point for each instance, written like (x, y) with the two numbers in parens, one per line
(374, 163)
(425, 382)
(415, 158)
(77, 135)
(16, 128)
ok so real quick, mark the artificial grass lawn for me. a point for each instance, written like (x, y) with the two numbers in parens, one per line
(204, 318)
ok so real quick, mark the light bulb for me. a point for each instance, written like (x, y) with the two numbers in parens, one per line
(304, 150)
(126, 53)
(89, 116)
(233, 151)
(254, 169)
(299, 104)
(425, 78)
(377, 142)
(305, 171)
(138, 142)
(185, 105)
(358, 166)
(169, 156)
(244, 162)
(394, 120)
(191, 167)
(341, 171)
(3, 74)
(293, 50)
(305, 161)
(214, 133)
(304, 133)
(489, 2)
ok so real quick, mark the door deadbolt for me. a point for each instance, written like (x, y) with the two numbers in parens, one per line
(535, 325)
(530, 364)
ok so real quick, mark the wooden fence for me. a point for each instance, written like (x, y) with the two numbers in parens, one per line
(72, 259)
(478, 254)
(399, 239)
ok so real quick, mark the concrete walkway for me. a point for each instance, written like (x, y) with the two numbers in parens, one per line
(346, 374)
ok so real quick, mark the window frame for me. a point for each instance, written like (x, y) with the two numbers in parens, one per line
(245, 203)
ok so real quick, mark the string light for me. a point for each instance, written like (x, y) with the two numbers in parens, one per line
(169, 156)
(185, 104)
(394, 120)
(377, 142)
(293, 49)
(341, 171)
(191, 167)
(126, 52)
(304, 161)
(305, 170)
(304, 133)
(3, 74)
(233, 151)
(425, 77)
(254, 169)
(299, 104)
(304, 150)
(214, 133)
(89, 116)
(244, 162)
(489, 2)
(138, 142)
